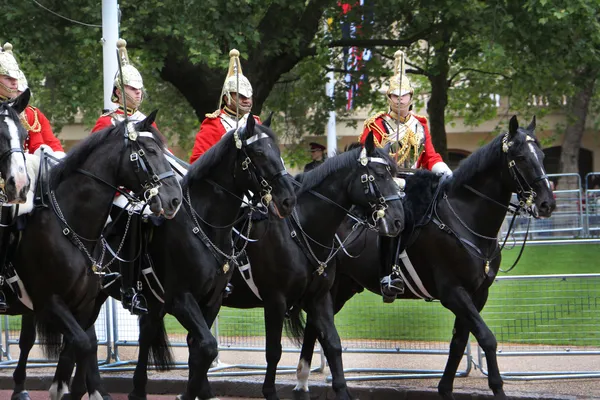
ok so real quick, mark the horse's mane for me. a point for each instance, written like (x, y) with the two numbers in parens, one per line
(201, 167)
(478, 161)
(420, 188)
(314, 177)
(12, 114)
(82, 150)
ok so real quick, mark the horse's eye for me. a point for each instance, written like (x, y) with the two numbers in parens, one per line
(151, 150)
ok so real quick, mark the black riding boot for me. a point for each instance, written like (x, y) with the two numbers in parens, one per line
(392, 284)
(132, 300)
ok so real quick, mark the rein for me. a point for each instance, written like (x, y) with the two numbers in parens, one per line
(150, 183)
(265, 199)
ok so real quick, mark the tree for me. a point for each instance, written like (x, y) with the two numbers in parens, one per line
(180, 47)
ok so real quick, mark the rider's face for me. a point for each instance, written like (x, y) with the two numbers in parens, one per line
(400, 103)
(8, 86)
(245, 103)
(134, 96)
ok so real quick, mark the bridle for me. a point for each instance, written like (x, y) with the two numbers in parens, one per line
(150, 183)
(248, 165)
(371, 189)
(265, 197)
(5, 154)
(525, 193)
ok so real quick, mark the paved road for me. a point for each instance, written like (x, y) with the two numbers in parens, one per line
(39, 395)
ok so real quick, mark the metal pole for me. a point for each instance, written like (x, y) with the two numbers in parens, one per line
(110, 35)
(331, 132)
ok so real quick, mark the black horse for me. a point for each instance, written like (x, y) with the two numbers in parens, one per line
(14, 181)
(291, 265)
(451, 235)
(54, 256)
(193, 255)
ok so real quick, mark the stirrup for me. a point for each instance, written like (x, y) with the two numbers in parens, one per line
(3, 303)
(391, 286)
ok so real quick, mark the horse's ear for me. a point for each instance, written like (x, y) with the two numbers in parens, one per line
(513, 126)
(20, 103)
(145, 125)
(387, 148)
(370, 143)
(531, 127)
(250, 125)
(267, 122)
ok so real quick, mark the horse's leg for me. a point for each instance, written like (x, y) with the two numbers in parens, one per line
(458, 344)
(148, 328)
(458, 301)
(274, 317)
(320, 315)
(343, 289)
(201, 344)
(88, 375)
(26, 342)
(60, 315)
(303, 371)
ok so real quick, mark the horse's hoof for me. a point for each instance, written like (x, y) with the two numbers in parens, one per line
(133, 396)
(300, 395)
(20, 396)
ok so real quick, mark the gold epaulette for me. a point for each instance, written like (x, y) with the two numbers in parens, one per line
(108, 113)
(36, 126)
(420, 116)
(214, 114)
(372, 126)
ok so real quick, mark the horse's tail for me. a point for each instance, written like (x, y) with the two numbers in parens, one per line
(295, 324)
(50, 338)
(160, 348)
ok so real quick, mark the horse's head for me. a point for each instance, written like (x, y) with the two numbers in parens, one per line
(373, 187)
(145, 170)
(526, 167)
(262, 168)
(14, 181)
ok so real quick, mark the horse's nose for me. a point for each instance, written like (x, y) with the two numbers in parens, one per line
(288, 203)
(546, 208)
(175, 203)
(399, 224)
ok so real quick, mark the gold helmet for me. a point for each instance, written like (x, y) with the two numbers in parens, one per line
(235, 83)
(399, 83)
(8, 64)
(131, 76)
(22, 85)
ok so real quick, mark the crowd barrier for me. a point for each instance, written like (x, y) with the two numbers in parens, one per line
(533, 317)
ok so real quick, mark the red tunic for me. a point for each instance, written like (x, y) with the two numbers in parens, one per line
(39, 131)
(211, 131)
(109, 119)
(428, 157)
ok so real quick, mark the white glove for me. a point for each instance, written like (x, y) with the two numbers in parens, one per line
(441, 168)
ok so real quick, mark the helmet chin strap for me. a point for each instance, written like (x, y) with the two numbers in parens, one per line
(132, 103)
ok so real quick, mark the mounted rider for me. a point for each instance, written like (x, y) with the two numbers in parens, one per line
(235, 103)
(411, 147)
(128, 92)
(133, 85)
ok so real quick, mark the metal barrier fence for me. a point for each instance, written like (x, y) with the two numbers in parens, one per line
(10, 328)
(534, 317)
(592, 204)
(566, 222)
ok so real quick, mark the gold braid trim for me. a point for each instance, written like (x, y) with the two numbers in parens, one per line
(407, 141)
(372, 126)
(36, 127)
(214, 114)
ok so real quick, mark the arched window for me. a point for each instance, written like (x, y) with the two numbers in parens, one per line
(552, 160)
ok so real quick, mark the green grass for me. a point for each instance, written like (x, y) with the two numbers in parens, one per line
(541, 311)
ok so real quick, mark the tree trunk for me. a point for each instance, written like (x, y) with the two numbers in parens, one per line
(436, 106)
(577, 107)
